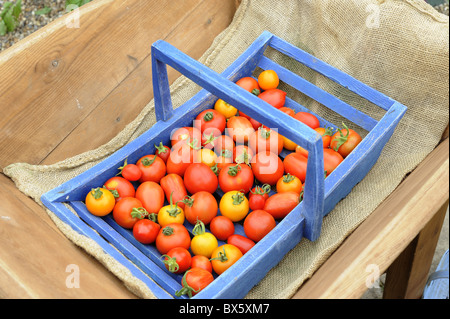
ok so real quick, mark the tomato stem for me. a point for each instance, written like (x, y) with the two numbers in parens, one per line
(167, 231)
(341, 139)
(238, 198)
(171, 263)
(188, 200)
(96, 193)
(261, 190)
(174, 210)
(122, 167)
(243, 157)
(199, 228)
(264, 133)
(256, 92)
(222, 256)
(288, 178)
(139, 212)
(186, 290)
(147, 162)
(208, 116)
(234, 170)
(161, 148)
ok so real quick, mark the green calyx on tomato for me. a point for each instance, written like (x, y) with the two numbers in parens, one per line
(215, 169)
(147, 162)
(167, 231)
(171, 262)
(208, 116)
(288, 178)
(199, 228)
(261, 190)
(113, 191)
(238, 198)
(188, 200)
(265, 133)
(173, 210)
(255, 92)
(341, 139)
(226, 153)
(96, 193)
(186, 290)
(210, 139)
(122, 167)
(234, 170)
(328, 131)
(222, 256)
(243, 157)
(161, 148)
(193, 144)
(139, 212)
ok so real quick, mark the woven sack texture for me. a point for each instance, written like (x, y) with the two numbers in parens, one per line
(399, 47)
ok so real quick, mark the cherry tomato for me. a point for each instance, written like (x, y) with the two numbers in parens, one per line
(100, 201)
(120, 187)
(296, 164)
(193, 281)
(225, 109)
(250, 84)
(254, 122)
(224, 143)
(274, 97)
(145, 230)
(222, 227)
(287, 110)
(243, 154)
(130, 172)
(289, 183)
(162, 151)
(302, 151)
(326, 133)
(237, 177)
(151, 196)
(266, 140)
(200, 177)
(177, 260)
(331, 160)
(171, 236)
(203, 262)
(239, 128)
(203, 243)
(344, 141)
(173, 186)
(206, 156)
(223, 160)
(258, 196)
(209, 136)
(267, 167)
(258, 224)
(210, 118)
(281, 204)
(128, 211)
(268, 79)
(170, 214)
(200, 206)
(307, 118)
(234, 205)
(187, 135)
(152, 167)
(181, 156)
(223, 257)
(243, 243)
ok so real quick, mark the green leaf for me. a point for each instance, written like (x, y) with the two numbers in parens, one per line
(5, 10)
(17, 10)
(43, 11)
(9, 20)
(3, 28)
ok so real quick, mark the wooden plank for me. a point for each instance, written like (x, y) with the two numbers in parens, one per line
(34, 255)
(408, 274)
(61, 74)
(126, 100)
(385, 233)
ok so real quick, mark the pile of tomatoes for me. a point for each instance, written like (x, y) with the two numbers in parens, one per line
(226, 162)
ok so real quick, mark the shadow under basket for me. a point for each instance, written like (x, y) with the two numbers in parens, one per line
(320, 194)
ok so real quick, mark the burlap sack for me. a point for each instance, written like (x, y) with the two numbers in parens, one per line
(399, 47)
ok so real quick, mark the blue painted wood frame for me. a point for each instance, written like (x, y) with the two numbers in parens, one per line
(304, 221)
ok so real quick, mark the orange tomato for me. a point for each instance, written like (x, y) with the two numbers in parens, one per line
(268, 79)
(289, 183)
(223, 257)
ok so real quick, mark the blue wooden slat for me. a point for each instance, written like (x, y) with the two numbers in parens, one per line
(318, 94)
(332, 73)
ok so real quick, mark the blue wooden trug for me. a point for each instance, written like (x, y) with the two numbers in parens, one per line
(320, 195)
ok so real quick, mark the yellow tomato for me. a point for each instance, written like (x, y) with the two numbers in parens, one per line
(203, 243)
(225, 109)
(234, 205)
(289, 183)
(268, 79)
(170, 214)
(100, 201)
(288, 144)
(207, 156)
(224, 257)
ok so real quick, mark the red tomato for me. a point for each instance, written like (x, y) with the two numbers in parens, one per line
(258, 224)
(210, 118)
(267, 167)
(186, 134)
(258, 196)
(243, 243)
(274, 97)
(209, 137)
(200, 206)
(296, 164)
(254, 122)
(171, 236)
(222, 227)
(243, 154)
(130, 172)
(239, 128)
(200, 261)
(326, 133)
(193, 281)
(281, 204)
(173, 185)
(224, 143)
(128, 211)
(145, 231)
(287, 110)
(152, 167)
(181, 156)
(200, 177)
(120, 187)
(250, 84)
(307, 118)
(177, 260)
(266, 140)
(344, 141)
(162, 151)
(331, 159)
(236, 177)
(151, 196)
